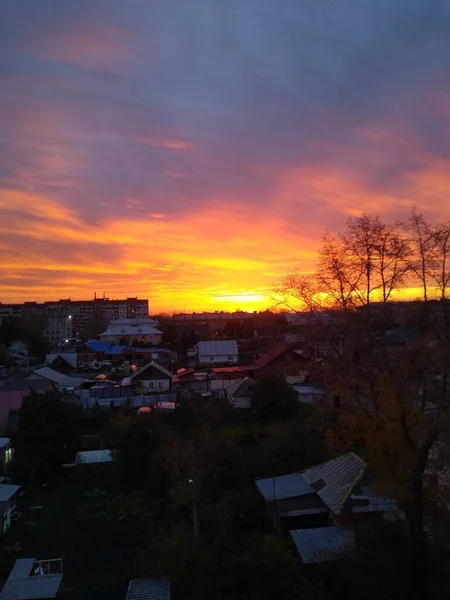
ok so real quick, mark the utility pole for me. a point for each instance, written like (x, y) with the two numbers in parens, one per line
(194, 510)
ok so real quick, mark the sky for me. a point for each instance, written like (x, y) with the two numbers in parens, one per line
(194, 152)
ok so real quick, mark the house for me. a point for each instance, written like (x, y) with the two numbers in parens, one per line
(33, 579)
(96, 460)
(132, 331)
(223, 377)
(6, 453)
(8, 497)
(332, 493)
(240, 393)
(153, 377)
(217, 352)
(283, 362)
(64, 362)
(61, 382)
(148, 589)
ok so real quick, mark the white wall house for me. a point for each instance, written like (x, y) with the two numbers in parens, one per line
(217, 352)
(151, 377)
(132, 330)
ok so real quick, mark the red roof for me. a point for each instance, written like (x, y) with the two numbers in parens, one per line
(271, 355)
(227, 370)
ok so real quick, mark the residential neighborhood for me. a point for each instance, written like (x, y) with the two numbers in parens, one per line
(286, 460)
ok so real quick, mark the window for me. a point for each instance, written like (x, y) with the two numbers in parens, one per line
(8, 455)
(230, 358)
(150, 385)
(212, 358)
(337, 401)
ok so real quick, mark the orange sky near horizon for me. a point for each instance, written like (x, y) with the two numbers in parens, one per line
(194, 157)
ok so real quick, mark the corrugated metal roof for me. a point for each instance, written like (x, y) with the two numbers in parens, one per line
(7, 491)
(323, 544)
(148, 589)
(94, 456)
(59, 378)
(22, 585)
(114, 350)
(334, 480)
(286, 486)
(218, 348)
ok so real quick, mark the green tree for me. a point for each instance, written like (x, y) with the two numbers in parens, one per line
(138, 439)
(46, 436)
(275, 398)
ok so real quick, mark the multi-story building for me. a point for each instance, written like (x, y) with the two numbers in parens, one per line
(81, 319)
(130, 331)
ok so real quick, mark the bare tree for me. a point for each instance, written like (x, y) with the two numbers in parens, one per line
(397, 398)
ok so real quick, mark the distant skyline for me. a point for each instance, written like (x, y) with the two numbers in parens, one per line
(193, 152)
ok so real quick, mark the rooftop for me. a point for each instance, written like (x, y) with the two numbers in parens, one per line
(56, 377)
(148, 589)
(218, 347)
(7, 491)
(323, 544)
(4, 441)
(31, 580)
(131, 329)
(285, 486)
(94, 456)
(70, 357)
(334, 480)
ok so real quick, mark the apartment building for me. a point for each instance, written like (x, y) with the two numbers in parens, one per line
(81, 319)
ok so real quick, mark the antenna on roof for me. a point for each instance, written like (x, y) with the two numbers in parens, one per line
(95, 295)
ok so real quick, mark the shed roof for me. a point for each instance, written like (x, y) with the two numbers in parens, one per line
(59, 378)
(335, 479)
(94, 456)
(323, 544)
(7, 491)
(218, 348)
(285, 486)
(24, 584)
(148, 589)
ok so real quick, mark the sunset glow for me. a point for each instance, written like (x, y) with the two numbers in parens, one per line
(196, 153)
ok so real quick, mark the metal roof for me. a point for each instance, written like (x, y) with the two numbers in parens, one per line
(59, 378)
(151, 364)
(7, 491)
(70, 357)
(218, 348)
(128, 329)
(281, 488)
(323, 544)
(22, 584)
(4, 441)
(94, 456)
(97, 346)
(148, 589)
(334, 480)
(236, 385)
